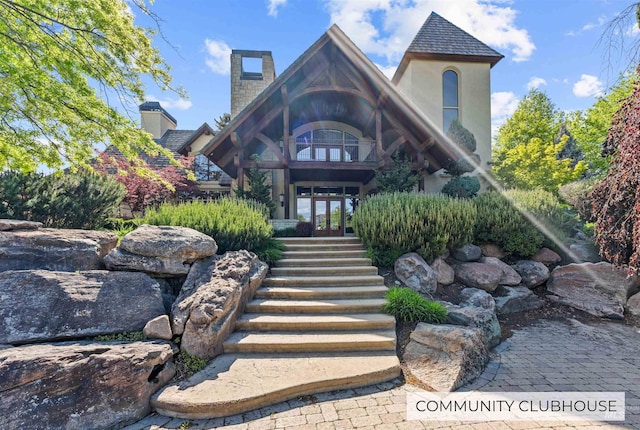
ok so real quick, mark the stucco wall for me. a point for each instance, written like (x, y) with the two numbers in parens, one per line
(422, 83)
(156, 123)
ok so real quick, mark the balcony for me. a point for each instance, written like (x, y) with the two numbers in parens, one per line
(338, 151)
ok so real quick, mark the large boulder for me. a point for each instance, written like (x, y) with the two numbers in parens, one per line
(600, 289)
(180, 243)
(445, 357)
(490, 250)
(212, 298)
(477, 297)
(444, 273)
(633, 305)
(547, 257)
(584, 250)
(158, 328)
(510, 300)
(509, 275)
(533, 273)
(160, 250)
(479, 275)
(54, 249)
(81, 385)
(484, 319)
(40, 305)
(467, 253)
(416, 274)
(15, 224)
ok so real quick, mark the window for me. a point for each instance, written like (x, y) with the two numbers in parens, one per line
(205, 169)
(450, 100)
(327, 145)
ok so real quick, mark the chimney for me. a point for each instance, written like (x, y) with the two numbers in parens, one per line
(155, 120)
(247, 84)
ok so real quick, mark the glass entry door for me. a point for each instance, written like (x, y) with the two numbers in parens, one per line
(328, 216)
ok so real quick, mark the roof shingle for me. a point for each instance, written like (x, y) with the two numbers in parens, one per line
(439, 36)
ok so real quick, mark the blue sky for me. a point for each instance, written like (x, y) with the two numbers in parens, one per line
(548, 44)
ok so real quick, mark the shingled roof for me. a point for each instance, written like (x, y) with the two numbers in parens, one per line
(439, 36)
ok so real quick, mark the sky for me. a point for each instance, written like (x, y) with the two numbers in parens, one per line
(552, 45)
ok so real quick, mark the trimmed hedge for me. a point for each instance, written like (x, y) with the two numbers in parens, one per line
(396, 223)
(234, 223)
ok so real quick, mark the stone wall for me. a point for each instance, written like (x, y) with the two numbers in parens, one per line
(245, 86)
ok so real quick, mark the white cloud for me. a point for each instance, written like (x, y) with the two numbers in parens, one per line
(388, 71)
(588, 86)
(218, 56)
(273, 6)
(503, 105)
(168, 103)
(535, 83)
(632, 30)
(602, 20)
(387, 27)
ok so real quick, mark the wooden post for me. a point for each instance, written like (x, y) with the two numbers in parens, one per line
(379, 150)
(287, 201)
(285, 124)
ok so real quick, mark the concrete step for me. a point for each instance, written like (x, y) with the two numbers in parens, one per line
(323, 254)
(315, 306)
(324, 247)
(235, 383)
(299, 293)
(319, 240)
(348, 341)
(284, 322)
(324, 271)
(322, 281)
(323, 262)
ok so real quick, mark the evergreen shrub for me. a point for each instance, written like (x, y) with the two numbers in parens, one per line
(390, 225)
(234, 223)
(462, 186)
(577, 195)
(547, 208)
(407, 305)
(304, 229)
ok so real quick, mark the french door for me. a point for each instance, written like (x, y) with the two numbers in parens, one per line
(328, 213)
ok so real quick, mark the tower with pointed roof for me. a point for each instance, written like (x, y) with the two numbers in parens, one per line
(445, 72)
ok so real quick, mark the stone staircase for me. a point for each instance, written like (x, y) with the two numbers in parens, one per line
(315, 325)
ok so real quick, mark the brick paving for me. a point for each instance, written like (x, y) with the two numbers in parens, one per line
(546, 356)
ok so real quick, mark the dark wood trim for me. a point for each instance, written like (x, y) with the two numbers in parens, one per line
(333, 165)
(358, 82)
(264, 164)
(379, 150)
(323, 89)
(228, 157)
(285, 124)
(287, 202)
(272, 146)
(320, 69)
(260, 125)
(394, 146)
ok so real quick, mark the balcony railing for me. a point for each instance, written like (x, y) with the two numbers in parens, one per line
(336, 151)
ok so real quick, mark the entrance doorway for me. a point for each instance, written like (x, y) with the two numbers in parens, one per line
(328, 214)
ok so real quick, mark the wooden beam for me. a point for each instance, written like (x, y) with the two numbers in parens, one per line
(332, 70)
(315, 73)
(287, 203)
(228, 157)
(272, 146)
(285, 124)
(257, 127)
(379, 150)
(239, 162)
(358, 82)
(322, 89)
(394, 146)
(264, 164)
(235, 140)
(410, 137)
(332, 165)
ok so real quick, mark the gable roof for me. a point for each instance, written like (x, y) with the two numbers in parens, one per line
(383, 94)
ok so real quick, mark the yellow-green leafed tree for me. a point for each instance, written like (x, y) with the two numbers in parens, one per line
(63, 64)
(535, 165)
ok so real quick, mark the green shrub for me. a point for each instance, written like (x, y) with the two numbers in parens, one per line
(287, 232)
(577, 195)
(78, 200)
(407, 305)
(234, 223)
(462, 186)
(271, 251)
(304, 229)
(394, 224)
(500, 223)
(384, 257)
(546, 208)
(121, 227)
(187, 365)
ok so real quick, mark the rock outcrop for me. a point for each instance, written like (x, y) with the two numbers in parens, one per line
(80, 385)
(15, 224)
(467, 253)
(445, 357)
(479, 275)
(40, 305)
(510, 300)
(54, 249)
(597, 288)
(444, 273)
(160, 251)
(484, 319)
(416, 274)
(212, 298)
(533, 273)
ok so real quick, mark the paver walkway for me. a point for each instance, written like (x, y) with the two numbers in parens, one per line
(546, 356)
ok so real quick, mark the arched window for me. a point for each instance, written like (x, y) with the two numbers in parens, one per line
(450, 104)
(325, 144)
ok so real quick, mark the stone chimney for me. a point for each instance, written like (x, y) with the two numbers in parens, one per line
(155, 120)
(246, 85)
